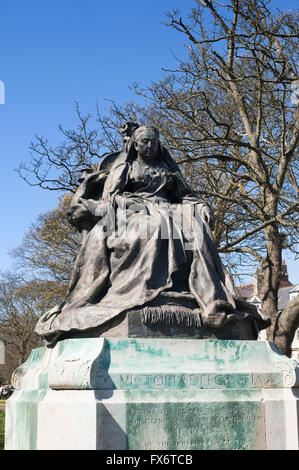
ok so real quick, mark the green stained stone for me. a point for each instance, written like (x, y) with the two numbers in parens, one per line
(171, 394)
(182, 425)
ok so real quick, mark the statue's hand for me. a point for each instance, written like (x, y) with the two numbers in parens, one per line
(79, 214)
(89, 205)
(97, 209)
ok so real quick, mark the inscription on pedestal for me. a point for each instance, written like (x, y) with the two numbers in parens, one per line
(195, 381)
(228, 426)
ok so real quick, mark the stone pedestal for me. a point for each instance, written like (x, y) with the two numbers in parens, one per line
(176, 394)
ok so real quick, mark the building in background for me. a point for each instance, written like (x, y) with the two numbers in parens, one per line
(287, 292)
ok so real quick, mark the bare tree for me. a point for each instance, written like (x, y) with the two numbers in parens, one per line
(20, 305)
(57, 168)
(48, 249)
(45, 260)
(229, 112)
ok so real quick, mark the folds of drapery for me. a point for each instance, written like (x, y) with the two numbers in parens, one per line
(135, 250)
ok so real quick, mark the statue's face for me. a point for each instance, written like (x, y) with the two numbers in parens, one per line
(146, 145)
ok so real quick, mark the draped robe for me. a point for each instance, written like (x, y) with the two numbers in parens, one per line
(145, 233)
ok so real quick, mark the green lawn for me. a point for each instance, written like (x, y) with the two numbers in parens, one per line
(2, 416)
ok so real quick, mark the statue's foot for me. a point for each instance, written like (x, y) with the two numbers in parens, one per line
(215, 314)
(215, 320)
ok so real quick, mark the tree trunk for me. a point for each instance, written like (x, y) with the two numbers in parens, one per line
(285, 327)
(271, 275)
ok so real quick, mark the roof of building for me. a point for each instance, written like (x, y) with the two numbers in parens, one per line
(285, 283)
(285, 289)
(295, 288)
(284, 297)
(245, 291)
(254, 299)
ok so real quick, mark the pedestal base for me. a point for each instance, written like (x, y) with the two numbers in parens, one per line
(176, 394)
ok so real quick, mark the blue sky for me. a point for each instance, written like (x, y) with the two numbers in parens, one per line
(53, 53)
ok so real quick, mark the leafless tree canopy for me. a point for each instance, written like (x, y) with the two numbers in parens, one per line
(19, 309)
(229, 113)
(45, 260)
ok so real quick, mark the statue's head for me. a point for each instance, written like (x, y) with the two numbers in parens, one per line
(145, 144)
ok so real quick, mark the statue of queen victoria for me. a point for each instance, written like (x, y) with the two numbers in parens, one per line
(147, 250)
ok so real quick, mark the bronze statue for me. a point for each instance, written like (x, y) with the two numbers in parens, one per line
(147, 247)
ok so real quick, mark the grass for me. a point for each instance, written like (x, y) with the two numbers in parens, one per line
(2, 419)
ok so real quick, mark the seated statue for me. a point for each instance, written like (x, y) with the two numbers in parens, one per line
(147, 247)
